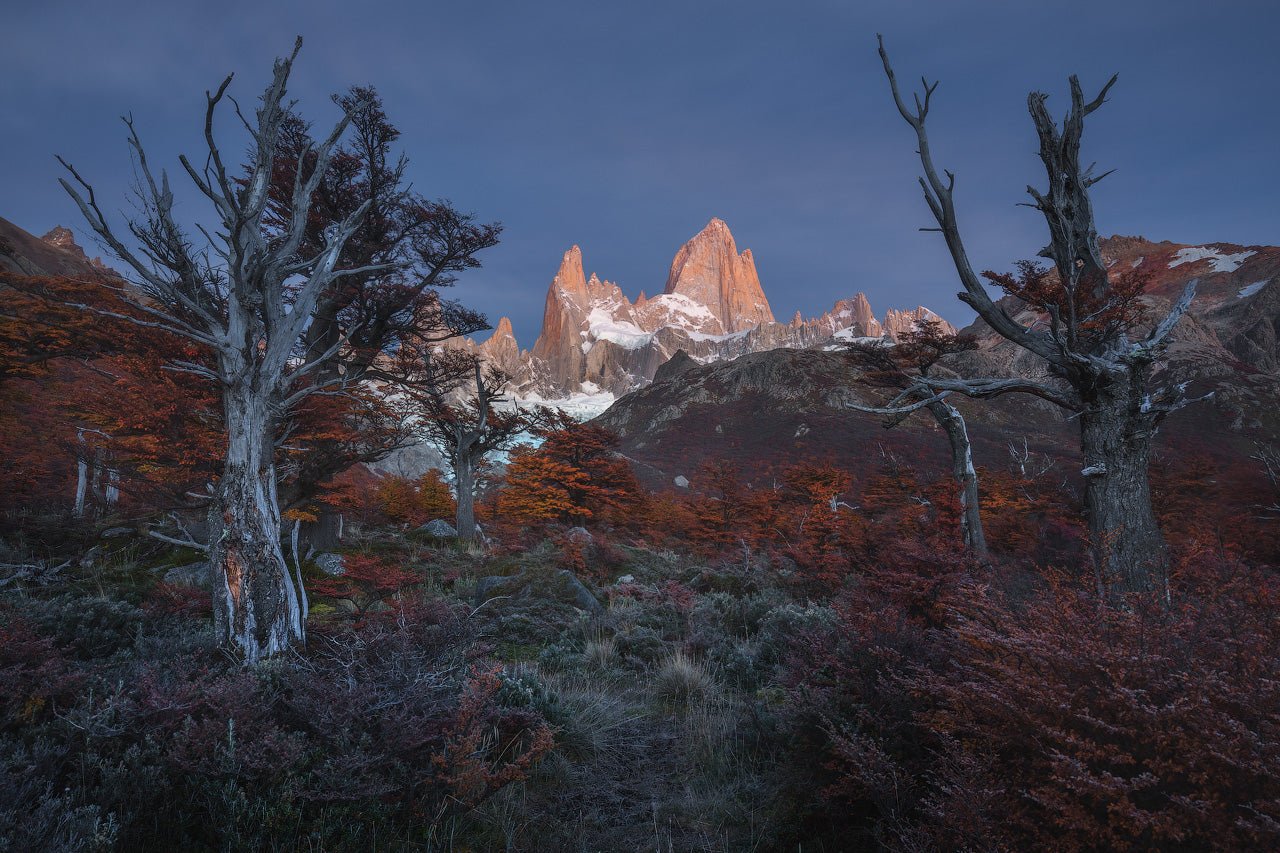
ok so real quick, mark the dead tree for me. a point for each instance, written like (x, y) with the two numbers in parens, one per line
(470, 430)
(247, 297)
(1096, 370)
(906, 366)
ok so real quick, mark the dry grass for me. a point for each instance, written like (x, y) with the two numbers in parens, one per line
(681, 680)
(599, 652)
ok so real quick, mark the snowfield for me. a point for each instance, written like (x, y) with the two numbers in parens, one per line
(1218, 262)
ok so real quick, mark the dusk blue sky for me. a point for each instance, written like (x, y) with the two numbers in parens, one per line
(623, 127)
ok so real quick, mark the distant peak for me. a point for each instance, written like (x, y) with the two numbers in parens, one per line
(709, 270)
(64, 239)
(504, 328)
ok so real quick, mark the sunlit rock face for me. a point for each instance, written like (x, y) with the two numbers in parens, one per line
(709, 272)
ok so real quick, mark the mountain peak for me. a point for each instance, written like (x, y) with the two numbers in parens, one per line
(569, 280)
(709, 271)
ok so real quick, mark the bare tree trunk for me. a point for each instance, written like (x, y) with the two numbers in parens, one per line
(966, 477)
(82, 482)
(1129, 551)
(112, 492)
(256, 606)
(464, 475)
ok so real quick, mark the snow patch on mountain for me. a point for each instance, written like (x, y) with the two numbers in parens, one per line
(677, 310)
(581, 405)
(1249, 290)
(602, 325)
(1218, 261)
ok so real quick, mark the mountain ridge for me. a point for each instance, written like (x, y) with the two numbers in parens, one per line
(595, 340)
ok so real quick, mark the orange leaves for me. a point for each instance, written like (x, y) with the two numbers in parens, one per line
(575, 475)
(414, 502)
(71, 374)
(540, 489)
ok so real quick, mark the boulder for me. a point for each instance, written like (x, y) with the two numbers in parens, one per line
(561, 586)
(579, 534)
(331, 564)
(439, 528)
(625, 579)
(493, 585)
(566, 587)
(198, 575)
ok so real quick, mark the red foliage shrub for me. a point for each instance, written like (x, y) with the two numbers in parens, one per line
(35, 677)
(366, 580)
(166, 599)
(1050, 722)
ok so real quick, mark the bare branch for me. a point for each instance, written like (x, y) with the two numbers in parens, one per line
(900, 410)
(993, 387)
(1165, 326)
(938, 195)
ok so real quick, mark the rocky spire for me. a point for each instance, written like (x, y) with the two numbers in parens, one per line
(566, 306)
(709, 271)
(501, 349)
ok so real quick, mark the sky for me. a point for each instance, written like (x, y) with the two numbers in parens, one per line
(624, 127)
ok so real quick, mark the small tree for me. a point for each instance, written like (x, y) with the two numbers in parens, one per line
(468, 431)
(906, 366)
(1095, 371)
(576, 475)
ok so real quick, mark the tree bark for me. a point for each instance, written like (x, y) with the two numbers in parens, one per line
(256, 605)
(966, 477)
(1128, 548)
(465, 481)
(82, 484)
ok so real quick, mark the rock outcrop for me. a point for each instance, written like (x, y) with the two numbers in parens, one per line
(501, 349)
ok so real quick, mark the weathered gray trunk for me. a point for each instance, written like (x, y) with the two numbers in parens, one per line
(82, 487)
(966, 477)
(1127, 545)
(255, 603)
(111, 495)
(464, 475)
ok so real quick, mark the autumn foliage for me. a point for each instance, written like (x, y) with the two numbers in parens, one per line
(575, 476)
(967, 714)
(414, 502)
